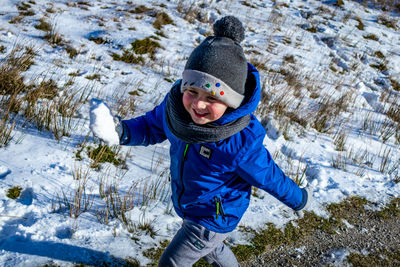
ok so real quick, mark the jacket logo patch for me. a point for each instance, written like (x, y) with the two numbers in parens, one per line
(205, 152)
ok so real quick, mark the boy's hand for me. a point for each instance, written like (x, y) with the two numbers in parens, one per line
(103, 124)
(307, 192)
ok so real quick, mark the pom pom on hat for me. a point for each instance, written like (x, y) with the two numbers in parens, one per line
(230, 27)
(218, 65)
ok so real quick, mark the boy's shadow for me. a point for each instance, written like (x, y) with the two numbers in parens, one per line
(24, 244)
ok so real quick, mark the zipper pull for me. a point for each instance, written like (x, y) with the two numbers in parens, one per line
(217, 203)
(185, 152)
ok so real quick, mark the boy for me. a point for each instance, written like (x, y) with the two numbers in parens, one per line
(217, 151)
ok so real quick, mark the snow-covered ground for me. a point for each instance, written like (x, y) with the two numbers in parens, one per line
(325, 45)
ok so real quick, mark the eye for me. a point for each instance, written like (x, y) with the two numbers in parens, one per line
(191, 91)
(212, 99)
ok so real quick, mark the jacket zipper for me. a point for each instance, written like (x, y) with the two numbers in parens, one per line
(182, 165)
(220, 209)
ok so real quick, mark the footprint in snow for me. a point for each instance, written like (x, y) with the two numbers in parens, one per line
(26, 197)
(64, 232)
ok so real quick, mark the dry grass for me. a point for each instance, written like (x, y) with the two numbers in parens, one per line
(140, 9)
(371, 36)
(328, 111)
(11, 86)
(139, 48)
(53, 37)
(145, 46)
(42, 103)
(43, 25)
(11, 68)
(384, 5)
(162, 19)
(24, 10)
(126, 97)
(192, 12)
(387, 129)
(360, 24)
(340, 139)
(116, 203)
(387, 21)
(78, 201)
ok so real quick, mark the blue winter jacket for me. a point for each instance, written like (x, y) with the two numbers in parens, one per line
(211, 182)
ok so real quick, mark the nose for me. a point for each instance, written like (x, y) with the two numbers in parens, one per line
(199, 103)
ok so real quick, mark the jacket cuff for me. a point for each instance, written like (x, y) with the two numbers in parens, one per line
(125, 136)
(304, 200)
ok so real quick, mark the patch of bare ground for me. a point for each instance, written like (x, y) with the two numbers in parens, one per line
(371, 239)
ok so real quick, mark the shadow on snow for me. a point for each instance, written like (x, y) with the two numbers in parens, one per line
(12, 242)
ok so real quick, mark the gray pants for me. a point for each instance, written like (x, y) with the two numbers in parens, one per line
(193, 242)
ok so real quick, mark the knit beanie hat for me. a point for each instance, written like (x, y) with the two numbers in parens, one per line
(218, 64)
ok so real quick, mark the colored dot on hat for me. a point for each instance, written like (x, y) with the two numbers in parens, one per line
(222, 93)
(217, 84)
(208, 85)
(212, 92)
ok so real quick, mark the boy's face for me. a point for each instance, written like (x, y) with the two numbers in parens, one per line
(202, 106)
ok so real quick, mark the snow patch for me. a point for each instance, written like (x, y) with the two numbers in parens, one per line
(371, 97)
(272, 128)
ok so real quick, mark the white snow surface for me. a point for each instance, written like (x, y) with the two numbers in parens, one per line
(40, 228)
(102, 122)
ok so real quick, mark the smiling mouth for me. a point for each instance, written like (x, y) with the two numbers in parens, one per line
(199, 114)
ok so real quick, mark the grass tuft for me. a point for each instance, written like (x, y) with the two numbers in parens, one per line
(131, 262)
(72, 52)
(339, 3)
(272, 237)
(371, 37)
(395, 84)
(192, 12)
(102, 154)
(162, 19)
(140, 9)
(387, 21)
(138, 48)
(128, 57)
(154, 254)
(381, 258)
(11, 69)
(380, 66)
(145, 46)
(391, 210)
(348, 208)
(43, 25)
(14, 192)
(360, 24)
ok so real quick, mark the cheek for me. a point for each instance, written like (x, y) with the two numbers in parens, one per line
(187, 101)
(218, 110)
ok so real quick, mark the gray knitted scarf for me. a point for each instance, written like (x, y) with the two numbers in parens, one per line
(181, 125)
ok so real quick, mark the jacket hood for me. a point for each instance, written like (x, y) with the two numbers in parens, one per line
(251, 99)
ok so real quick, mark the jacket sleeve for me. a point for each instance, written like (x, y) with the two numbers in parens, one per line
(145, 130)
(257, 167)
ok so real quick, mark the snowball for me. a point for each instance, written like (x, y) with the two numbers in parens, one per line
(4, 171)
(102, 122)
